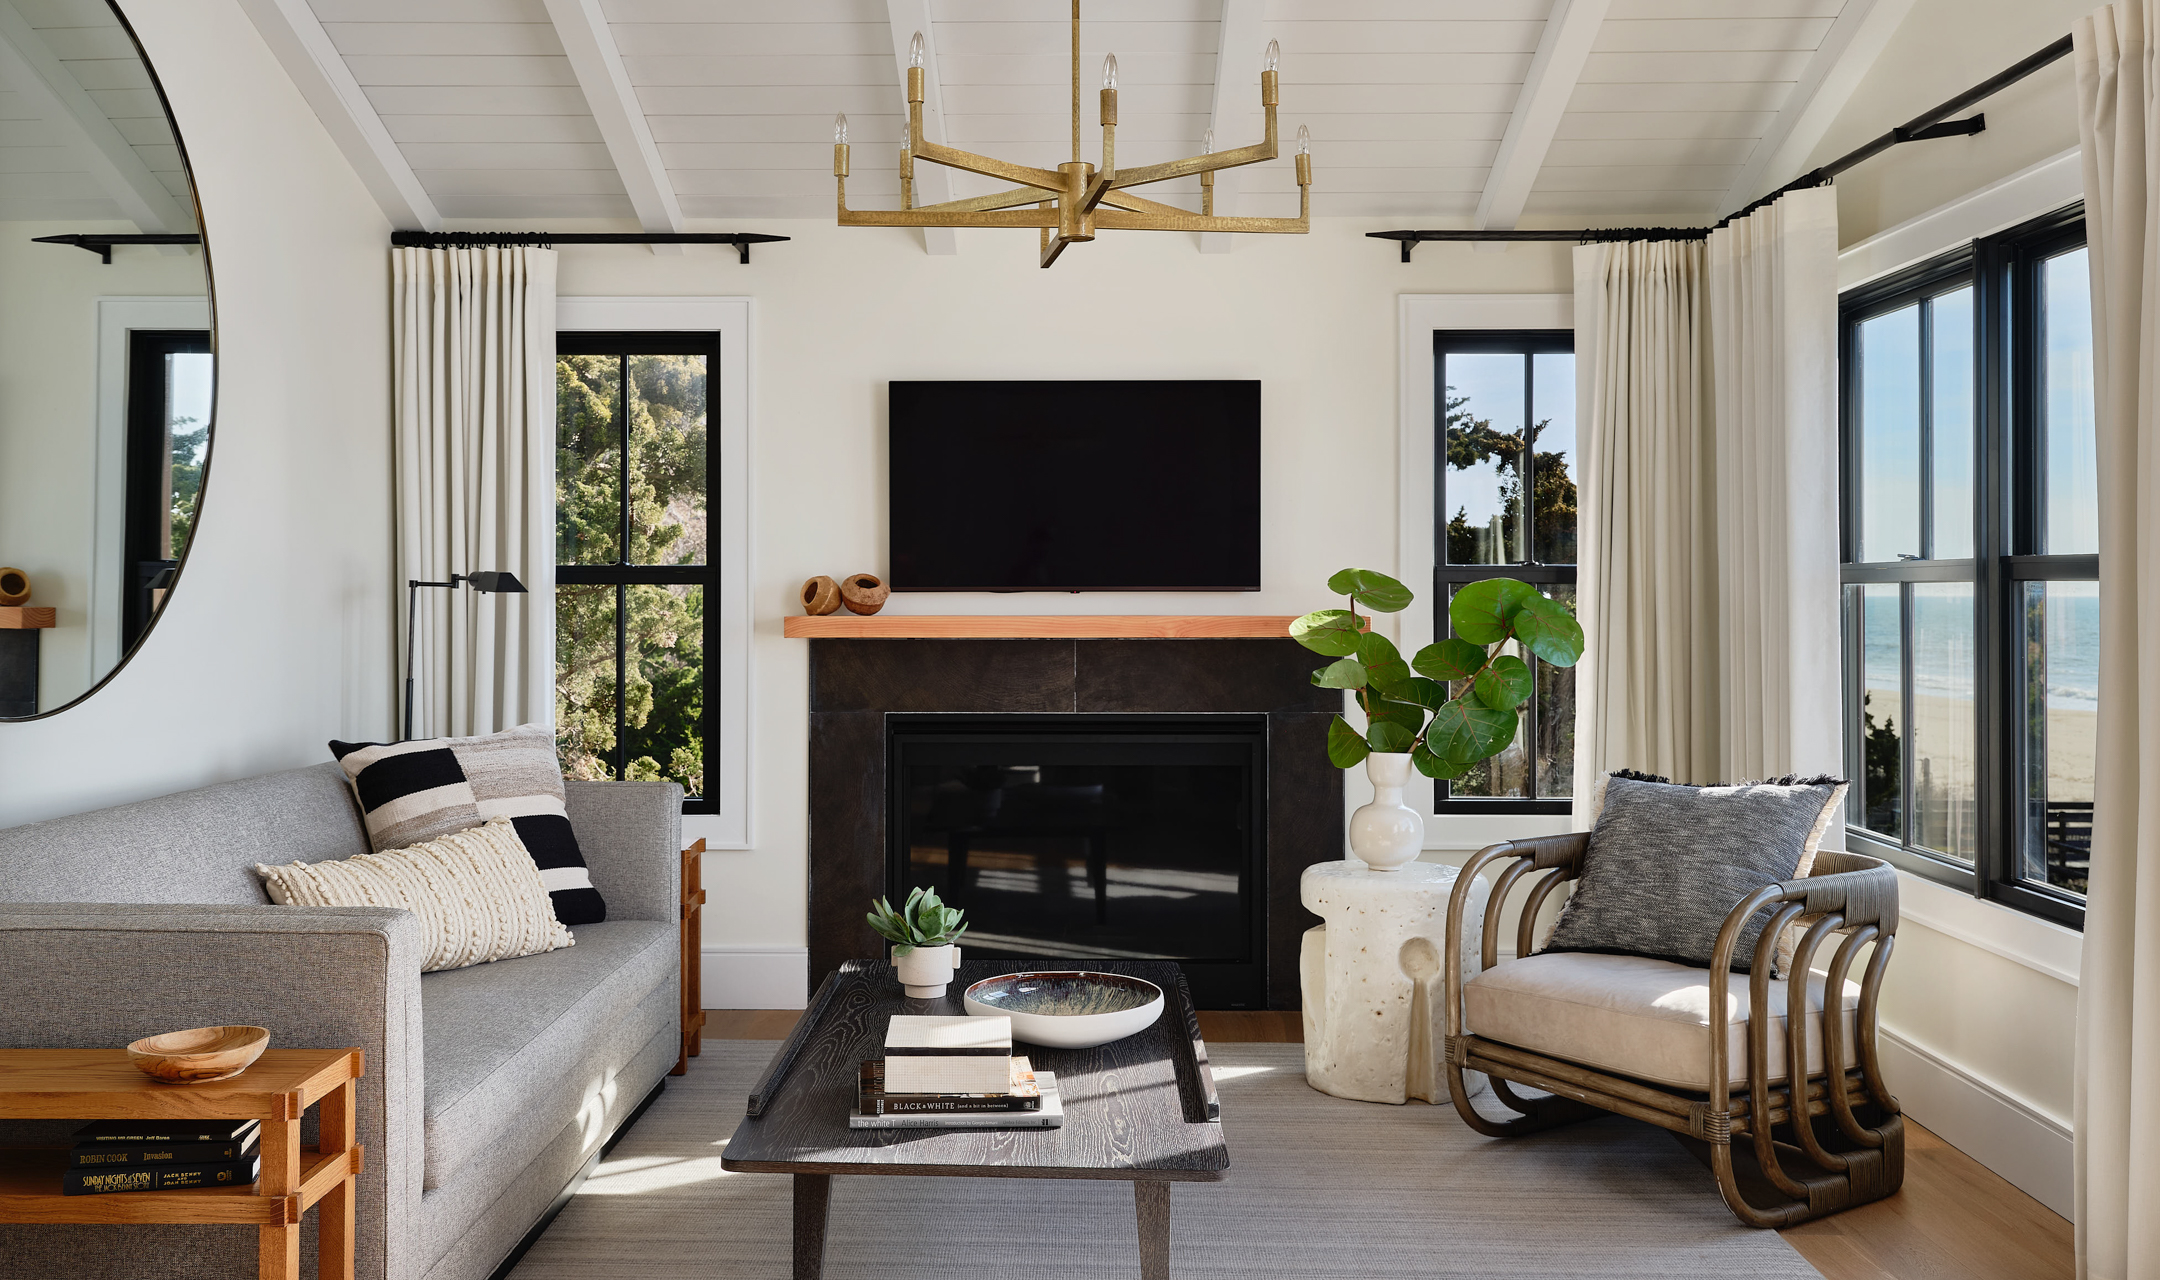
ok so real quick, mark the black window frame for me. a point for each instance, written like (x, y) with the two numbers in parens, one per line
(623, 575)
(148, 459)
(2008, 504)
(1448, 577)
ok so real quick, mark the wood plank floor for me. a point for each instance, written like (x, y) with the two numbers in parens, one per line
(1954, 1220)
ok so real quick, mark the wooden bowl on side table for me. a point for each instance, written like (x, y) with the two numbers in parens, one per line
(199, 1054)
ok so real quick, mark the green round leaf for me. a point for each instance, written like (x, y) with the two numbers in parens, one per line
(1345, 746)
(1372, 589)
(1466, 731)
(1386, 735)
(1345, 673)
(1449, 660)
(1333, 632)
(1384, 667)
(1419, 692)
(1433, 766)
(1505, 684)
(1482, 611)
(1547, 629)
(1408, 715)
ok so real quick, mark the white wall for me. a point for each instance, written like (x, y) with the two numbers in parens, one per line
(842, 311)
(278, 633)
(48, 422)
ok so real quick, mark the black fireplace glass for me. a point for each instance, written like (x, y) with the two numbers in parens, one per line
(1091, 837)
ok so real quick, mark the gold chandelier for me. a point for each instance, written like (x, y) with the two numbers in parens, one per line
(1076, 199)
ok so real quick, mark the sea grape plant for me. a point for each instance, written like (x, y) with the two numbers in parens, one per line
(923, 921)
(1454, 704)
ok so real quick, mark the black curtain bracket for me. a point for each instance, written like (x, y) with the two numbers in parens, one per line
(742, 240)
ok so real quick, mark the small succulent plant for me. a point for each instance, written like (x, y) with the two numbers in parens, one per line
(925, 921)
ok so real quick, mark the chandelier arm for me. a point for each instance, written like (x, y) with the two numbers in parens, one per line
(1119, 220)
(953, 158)
(1134, 204)
(929, 218)
(1253, 154)
(996, 200)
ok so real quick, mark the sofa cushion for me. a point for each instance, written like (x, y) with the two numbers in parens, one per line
(415, 791)
(1635, 1016)
(194, 847)
(500, 1036)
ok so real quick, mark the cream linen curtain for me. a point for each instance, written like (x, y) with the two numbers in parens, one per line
(474, 370)
(2117, 1118)
(1706, 382)
(1773, 362)
(1646, 691)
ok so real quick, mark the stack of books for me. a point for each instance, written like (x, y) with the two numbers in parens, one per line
(953, 1073)
(161, 1155)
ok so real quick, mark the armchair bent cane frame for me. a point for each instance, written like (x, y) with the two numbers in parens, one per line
(1845, 1138)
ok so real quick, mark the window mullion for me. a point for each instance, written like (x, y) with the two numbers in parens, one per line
(1927, 429)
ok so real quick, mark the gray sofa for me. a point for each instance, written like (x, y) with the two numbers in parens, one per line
(488, 1089)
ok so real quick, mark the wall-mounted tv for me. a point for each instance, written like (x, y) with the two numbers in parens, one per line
(1075, 486)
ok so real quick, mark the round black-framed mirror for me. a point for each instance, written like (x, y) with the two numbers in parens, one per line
(108, 354)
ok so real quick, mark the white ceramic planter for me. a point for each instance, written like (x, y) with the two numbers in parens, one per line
(1387, 833)
(925, 971)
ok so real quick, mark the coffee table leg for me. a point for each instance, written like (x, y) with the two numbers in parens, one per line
(1152, 1199)
(813, 1206)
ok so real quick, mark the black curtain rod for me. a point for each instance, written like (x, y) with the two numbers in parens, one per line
(1934, 123)
(742, 240)
(102, 245)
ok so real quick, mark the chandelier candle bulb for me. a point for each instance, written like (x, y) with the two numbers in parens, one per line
(1109, 71)
(915, 51)
(1273, 57)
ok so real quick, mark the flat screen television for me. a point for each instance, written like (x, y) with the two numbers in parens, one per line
(1075, 486)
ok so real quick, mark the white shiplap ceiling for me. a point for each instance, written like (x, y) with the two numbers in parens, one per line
(512, 111)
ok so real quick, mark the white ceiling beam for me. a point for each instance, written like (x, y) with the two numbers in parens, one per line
(29, 65)
(933, 182)
(1848, 51)
(1236, 102)
(318, 70)
(609, 95)
(1570, 31)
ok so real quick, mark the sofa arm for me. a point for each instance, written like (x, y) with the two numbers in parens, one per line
(98, 975)
(1864, 890)
(631, 834)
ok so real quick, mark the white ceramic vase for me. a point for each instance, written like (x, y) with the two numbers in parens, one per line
(1387, 833)
(925, 971)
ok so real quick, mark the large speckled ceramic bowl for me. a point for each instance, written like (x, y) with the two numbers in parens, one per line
(1067, 1009)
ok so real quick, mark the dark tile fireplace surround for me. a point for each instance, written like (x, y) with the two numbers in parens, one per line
(855, 684)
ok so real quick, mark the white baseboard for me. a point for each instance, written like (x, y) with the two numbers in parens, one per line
(2030, 1148)
(755, 977)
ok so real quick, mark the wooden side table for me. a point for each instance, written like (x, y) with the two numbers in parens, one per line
(693, 955)
(101, 1084)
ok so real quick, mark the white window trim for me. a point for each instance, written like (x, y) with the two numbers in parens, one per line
(1419, 315)
(732, 319)
(116, 319)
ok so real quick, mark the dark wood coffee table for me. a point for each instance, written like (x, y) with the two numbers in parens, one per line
(1141, 1110)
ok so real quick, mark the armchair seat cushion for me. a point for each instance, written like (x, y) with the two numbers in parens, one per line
(1634, 1016)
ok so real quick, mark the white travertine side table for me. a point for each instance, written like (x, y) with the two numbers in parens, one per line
(1372, 977)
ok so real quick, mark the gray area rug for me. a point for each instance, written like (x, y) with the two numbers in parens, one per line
(1318, 1188)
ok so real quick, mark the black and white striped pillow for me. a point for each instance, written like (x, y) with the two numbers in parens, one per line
(413, 792)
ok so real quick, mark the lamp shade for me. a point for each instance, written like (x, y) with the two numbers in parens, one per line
(495, 580)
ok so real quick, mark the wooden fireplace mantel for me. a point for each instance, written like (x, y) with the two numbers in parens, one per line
(882, 626)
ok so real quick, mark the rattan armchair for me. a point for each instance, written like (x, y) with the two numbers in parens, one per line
(1842, 1145)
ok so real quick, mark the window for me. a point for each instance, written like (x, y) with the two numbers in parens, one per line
(1505, 506)
(1971, 547)
(168, 432)
(633, 631)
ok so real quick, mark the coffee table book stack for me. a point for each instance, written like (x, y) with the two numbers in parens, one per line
(953, 1072)
(133, 1155)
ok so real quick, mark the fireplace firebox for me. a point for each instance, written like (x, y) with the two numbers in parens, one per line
(1078, 837)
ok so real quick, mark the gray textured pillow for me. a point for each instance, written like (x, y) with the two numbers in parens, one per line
(1666, 864)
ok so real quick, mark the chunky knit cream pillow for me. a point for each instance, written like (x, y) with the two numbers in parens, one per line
(477, 893)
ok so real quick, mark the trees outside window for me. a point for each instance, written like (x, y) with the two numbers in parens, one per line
(1506, 508)
(633, 636)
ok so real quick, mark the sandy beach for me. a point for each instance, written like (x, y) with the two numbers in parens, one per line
(1944, 746)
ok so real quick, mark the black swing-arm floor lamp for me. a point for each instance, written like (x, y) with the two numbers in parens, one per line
(490, 581)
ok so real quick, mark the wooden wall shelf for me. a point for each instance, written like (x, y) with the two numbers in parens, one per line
(846, 626)
(19, 617)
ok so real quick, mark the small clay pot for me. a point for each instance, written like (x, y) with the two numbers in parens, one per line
(14, 586)
(863, 593)
(820, 596)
